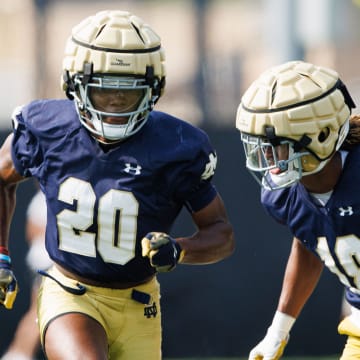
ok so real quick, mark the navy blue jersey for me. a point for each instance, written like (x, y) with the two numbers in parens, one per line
(331, 232)
(101, 202)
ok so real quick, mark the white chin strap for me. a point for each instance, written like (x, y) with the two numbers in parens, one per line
(111, 131)
(290, 177)
(285, 178)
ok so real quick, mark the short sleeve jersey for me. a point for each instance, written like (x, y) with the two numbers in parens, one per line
(102, 202)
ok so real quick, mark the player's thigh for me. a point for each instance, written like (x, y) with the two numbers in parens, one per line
(139, 349)
(75, 336)
(141, 339)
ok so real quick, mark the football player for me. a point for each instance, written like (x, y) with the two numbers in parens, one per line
(115, 174)
(302, 145)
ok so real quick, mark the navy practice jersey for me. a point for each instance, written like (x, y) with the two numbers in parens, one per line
(331, 232)
(101, 203)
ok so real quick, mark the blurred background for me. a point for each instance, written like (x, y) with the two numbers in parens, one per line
(214, 50)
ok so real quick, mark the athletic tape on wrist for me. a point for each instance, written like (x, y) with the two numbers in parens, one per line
(6, 258)
(282, 322)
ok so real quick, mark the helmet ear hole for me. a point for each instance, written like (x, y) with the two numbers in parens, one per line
(324, 134)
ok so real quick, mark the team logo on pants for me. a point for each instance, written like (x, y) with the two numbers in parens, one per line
(150, 311)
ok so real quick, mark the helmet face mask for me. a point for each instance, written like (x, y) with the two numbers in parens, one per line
(112, 107)
(273, 166)
(108, 54)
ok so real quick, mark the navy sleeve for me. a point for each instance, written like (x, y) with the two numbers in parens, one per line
(192, 182)
(26, 152)
(201, 198)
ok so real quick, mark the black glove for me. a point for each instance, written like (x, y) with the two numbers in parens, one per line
(162, 250)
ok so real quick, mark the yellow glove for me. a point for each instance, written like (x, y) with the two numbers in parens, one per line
(275, 340)
(268, 349)
(8, 282)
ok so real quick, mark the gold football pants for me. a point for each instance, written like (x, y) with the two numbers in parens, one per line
(133, 329)
(352, 346)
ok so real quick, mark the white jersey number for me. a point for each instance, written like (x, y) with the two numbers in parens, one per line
(116, 218)
(347, 251)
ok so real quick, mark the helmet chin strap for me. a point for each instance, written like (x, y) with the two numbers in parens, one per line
(285, 179)
(291, 176)
(295, 169)
(113, 132)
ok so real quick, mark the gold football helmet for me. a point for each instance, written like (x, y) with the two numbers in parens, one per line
(292, 120)
(113, 53)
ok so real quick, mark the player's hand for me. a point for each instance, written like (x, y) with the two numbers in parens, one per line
(8, 282)
(270, 348)
(276, 338)
(162, 250)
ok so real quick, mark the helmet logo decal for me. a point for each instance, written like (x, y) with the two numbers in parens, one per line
(119, 62)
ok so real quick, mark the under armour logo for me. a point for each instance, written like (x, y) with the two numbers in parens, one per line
(210, 167)
(132, 169)
(150, 311)
(348, 211)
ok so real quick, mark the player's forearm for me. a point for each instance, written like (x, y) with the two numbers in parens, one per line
(208, 245)
(292, 301)
(9, 178)
(302, 274)
(7, 207)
